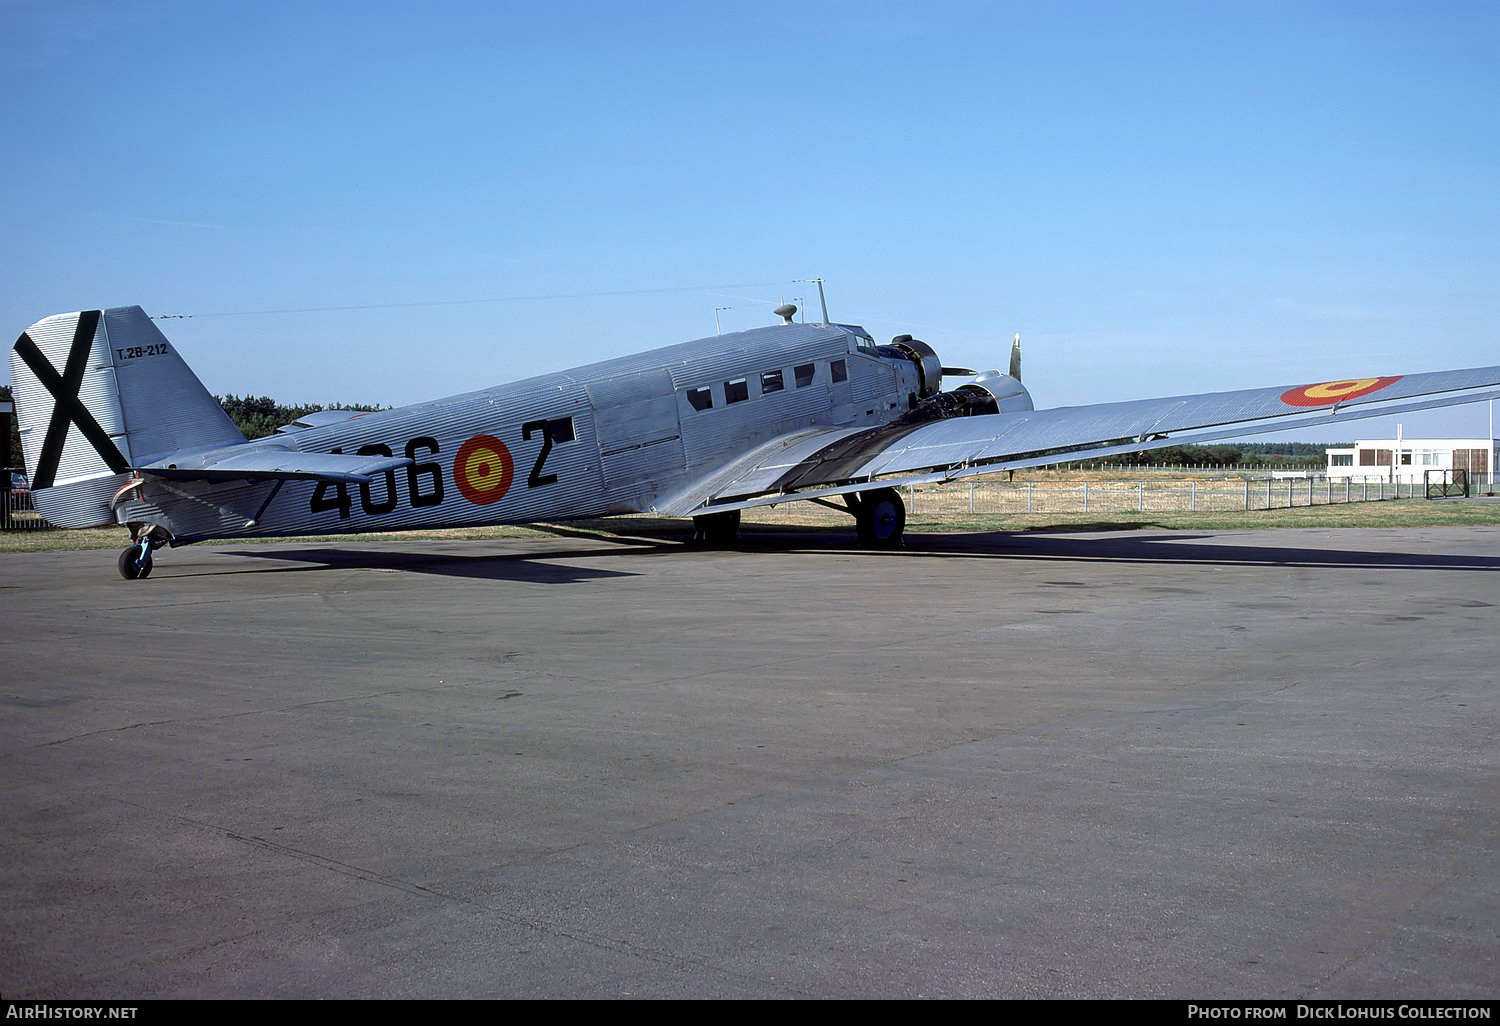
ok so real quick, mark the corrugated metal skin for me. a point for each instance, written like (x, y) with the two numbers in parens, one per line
(991, 438)
(706, 360)
(83, 482)
(499, 413)
(81, 504)
(54, 337)
(432, 433)
(711, 436)
(1012, 438)
(165, 406)
(755, 471)
(635, 438)
(138, 390)
(640, 441)
(196, 509)
(634, 400)
(636, 442)
(631, 398)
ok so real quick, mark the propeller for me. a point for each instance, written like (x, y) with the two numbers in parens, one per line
(1015, 363)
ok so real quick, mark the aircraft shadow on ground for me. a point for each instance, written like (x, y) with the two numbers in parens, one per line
(547, 566)
(1178, 548)
(1124, 543)
(525, 567)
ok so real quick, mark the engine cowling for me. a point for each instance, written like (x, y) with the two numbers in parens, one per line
(924, 357)
(989, 392)
(1007, 392)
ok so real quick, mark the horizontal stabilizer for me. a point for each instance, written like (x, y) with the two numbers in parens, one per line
(264, 463)
(322, 418)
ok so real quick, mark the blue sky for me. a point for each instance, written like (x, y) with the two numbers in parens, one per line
(1162, 197)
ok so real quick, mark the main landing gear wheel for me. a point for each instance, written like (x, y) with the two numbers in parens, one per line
(880, 518)
(136, 562)
(717, 530)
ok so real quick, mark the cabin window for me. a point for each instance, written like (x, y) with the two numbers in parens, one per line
(561, 430)
(840, 371)
(701, 398)
(804, 374)
(736, 391)
(770, 382)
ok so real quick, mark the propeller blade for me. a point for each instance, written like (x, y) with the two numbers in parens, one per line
(958, 372)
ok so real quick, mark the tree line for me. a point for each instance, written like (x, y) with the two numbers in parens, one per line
(259, 415)
(1310, 454)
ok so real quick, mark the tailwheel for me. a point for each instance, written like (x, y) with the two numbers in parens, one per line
(717, 530)
(879, 517)
(135, 562)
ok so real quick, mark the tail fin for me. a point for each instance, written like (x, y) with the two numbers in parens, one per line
(97, 393)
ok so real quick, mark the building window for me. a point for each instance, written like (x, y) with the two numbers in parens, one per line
(1342, 460)
(736, 391)
(701, 398)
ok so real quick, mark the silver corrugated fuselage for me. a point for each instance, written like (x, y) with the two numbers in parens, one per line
(607, 438)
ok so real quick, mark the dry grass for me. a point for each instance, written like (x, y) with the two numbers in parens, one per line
(802, 516)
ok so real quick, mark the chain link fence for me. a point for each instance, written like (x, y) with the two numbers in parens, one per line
(994, 495)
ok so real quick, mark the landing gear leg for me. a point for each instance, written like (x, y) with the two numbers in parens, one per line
(879, 517)
(135, 562)
(717, 530)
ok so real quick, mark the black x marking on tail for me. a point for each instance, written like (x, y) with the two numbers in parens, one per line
(67, 409)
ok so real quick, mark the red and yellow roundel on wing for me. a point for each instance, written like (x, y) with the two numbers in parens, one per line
(1330, 392)
(483, 469)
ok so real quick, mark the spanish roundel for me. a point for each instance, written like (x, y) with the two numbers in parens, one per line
(1330, 392)
(483, 469)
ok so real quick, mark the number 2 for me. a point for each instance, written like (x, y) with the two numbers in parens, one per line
(537, 478)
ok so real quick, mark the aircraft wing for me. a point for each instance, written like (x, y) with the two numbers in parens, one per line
(823, 462)
(267, 463)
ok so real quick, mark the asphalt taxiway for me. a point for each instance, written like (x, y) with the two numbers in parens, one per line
(1146, 764)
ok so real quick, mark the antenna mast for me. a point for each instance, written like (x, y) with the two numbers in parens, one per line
(822, 299)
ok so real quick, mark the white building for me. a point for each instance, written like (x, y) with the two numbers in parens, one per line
(1408, 459)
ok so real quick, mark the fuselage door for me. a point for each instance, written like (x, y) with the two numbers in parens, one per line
(640, 440)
